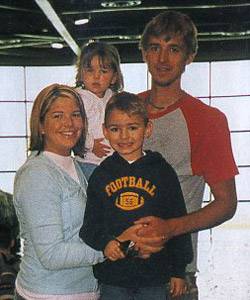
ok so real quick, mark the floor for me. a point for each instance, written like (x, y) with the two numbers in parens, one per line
(224, 259)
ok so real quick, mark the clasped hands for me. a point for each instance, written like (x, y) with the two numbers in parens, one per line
(148, 236)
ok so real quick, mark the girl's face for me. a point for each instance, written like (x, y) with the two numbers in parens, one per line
(62, 126)
(97, 79)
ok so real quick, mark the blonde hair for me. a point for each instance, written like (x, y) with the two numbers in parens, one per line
(108, 57)
(40, 108)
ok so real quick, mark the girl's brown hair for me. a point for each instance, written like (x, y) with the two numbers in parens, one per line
(108, 56)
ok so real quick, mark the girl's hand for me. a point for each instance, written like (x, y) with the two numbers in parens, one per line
(99, 149)
(178, 286)
(113, 251)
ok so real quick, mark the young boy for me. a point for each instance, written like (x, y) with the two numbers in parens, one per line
(128, 185)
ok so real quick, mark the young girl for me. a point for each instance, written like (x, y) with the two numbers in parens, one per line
(98, 77)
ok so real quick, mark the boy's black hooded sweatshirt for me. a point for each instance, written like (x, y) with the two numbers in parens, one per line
(120, 193)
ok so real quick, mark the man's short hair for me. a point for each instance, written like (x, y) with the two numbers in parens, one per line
(128, 103)
(171, 24)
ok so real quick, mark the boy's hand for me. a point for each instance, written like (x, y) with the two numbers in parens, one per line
(113, 251)
(100, 149)
(178, 286)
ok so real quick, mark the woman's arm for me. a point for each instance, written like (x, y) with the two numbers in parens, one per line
(39, 195)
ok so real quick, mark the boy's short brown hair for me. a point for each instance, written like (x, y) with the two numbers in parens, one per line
(128, 103)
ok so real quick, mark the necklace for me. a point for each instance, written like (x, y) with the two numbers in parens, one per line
(163, 107)
(157, 107)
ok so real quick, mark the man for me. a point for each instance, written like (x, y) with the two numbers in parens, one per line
(193, 137)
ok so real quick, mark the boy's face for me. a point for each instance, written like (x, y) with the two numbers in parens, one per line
(126, 134)
(166, 60)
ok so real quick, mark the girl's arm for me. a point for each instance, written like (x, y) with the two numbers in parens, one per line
(100, 149)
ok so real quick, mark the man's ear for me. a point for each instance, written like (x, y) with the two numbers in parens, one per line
(149, 129)
(190, 59)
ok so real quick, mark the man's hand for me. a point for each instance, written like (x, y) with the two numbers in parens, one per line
(99, 149)
(218, 211)
(130, 233)
(156, 227)
(145, 245)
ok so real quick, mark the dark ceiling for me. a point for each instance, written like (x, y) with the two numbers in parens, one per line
(28, 28)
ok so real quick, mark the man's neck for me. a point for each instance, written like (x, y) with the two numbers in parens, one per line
(161, 98)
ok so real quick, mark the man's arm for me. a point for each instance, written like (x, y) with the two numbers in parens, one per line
(218, 211)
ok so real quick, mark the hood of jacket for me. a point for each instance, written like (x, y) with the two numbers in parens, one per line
(148, 161)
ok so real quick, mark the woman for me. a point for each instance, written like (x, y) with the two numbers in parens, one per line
(49, 198)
